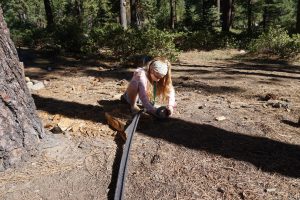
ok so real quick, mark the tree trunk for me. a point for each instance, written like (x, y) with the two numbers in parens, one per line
(266, 15)
(172, 13)
(298, 18)
(123, 18)
(20, 127)
(158, 4)
(134, 19)
(226, 15)
(232, 15)
(218, 5)
(49, 15)
(79, 11)
(249, 16)
(204, 9)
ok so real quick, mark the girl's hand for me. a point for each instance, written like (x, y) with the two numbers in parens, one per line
(163, 112)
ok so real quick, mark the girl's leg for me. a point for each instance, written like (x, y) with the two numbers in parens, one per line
(132, 95)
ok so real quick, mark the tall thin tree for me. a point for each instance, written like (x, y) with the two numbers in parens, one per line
(249, 16)
(135, 15)
(226, 15)
(172, 13)
(123, 18)
(158, 4)
(49, 14)
(78, 9)
(218, 5)
(266, 15)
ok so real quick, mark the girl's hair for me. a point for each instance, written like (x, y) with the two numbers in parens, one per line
(164, 85)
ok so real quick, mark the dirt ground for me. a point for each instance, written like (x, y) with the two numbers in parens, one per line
(234, 134)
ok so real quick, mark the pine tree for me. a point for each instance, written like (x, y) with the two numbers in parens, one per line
(49, 14)
(20, 127)
(226, 6)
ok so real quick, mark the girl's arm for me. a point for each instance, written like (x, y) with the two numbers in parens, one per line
(172, 102)
(143, 95)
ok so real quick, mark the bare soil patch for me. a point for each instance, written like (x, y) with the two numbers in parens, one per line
(234, 134)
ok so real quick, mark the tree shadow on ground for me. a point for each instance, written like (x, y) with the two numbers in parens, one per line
(196, 85)
(266, 154)
(193, 71)
(64, 65)
(265, 71)
(268, 67)
(116, 73)
(259, 60)
(43, 59)
(73, 65)
(255, 63)
(291, 123)
(86, 112)
(261, 74)
(253, 67)
(70, 109)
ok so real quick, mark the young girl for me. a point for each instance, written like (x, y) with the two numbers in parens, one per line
(150, 83)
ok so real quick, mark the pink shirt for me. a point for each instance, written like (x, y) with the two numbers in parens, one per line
(140, 81)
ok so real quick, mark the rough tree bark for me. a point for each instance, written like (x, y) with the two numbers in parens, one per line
(20, 127)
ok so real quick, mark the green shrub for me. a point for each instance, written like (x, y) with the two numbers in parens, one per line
(22, 37)
(206, 40)
(155, 42)
(295, 43)
(69, 34)
(275, 41)
(125, 43)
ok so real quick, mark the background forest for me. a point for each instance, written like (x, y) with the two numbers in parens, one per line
(155, 27)
(235, 130)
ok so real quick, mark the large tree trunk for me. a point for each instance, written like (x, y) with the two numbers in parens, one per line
(226, 15)
(298, 18)
(49, 14)
(20, 127)
(123, 18)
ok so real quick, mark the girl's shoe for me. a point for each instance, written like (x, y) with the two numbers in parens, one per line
(134, 109)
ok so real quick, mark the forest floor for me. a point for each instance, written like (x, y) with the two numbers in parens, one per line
(234, 134)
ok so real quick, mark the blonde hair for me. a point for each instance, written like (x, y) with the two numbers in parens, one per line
(164, 85)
